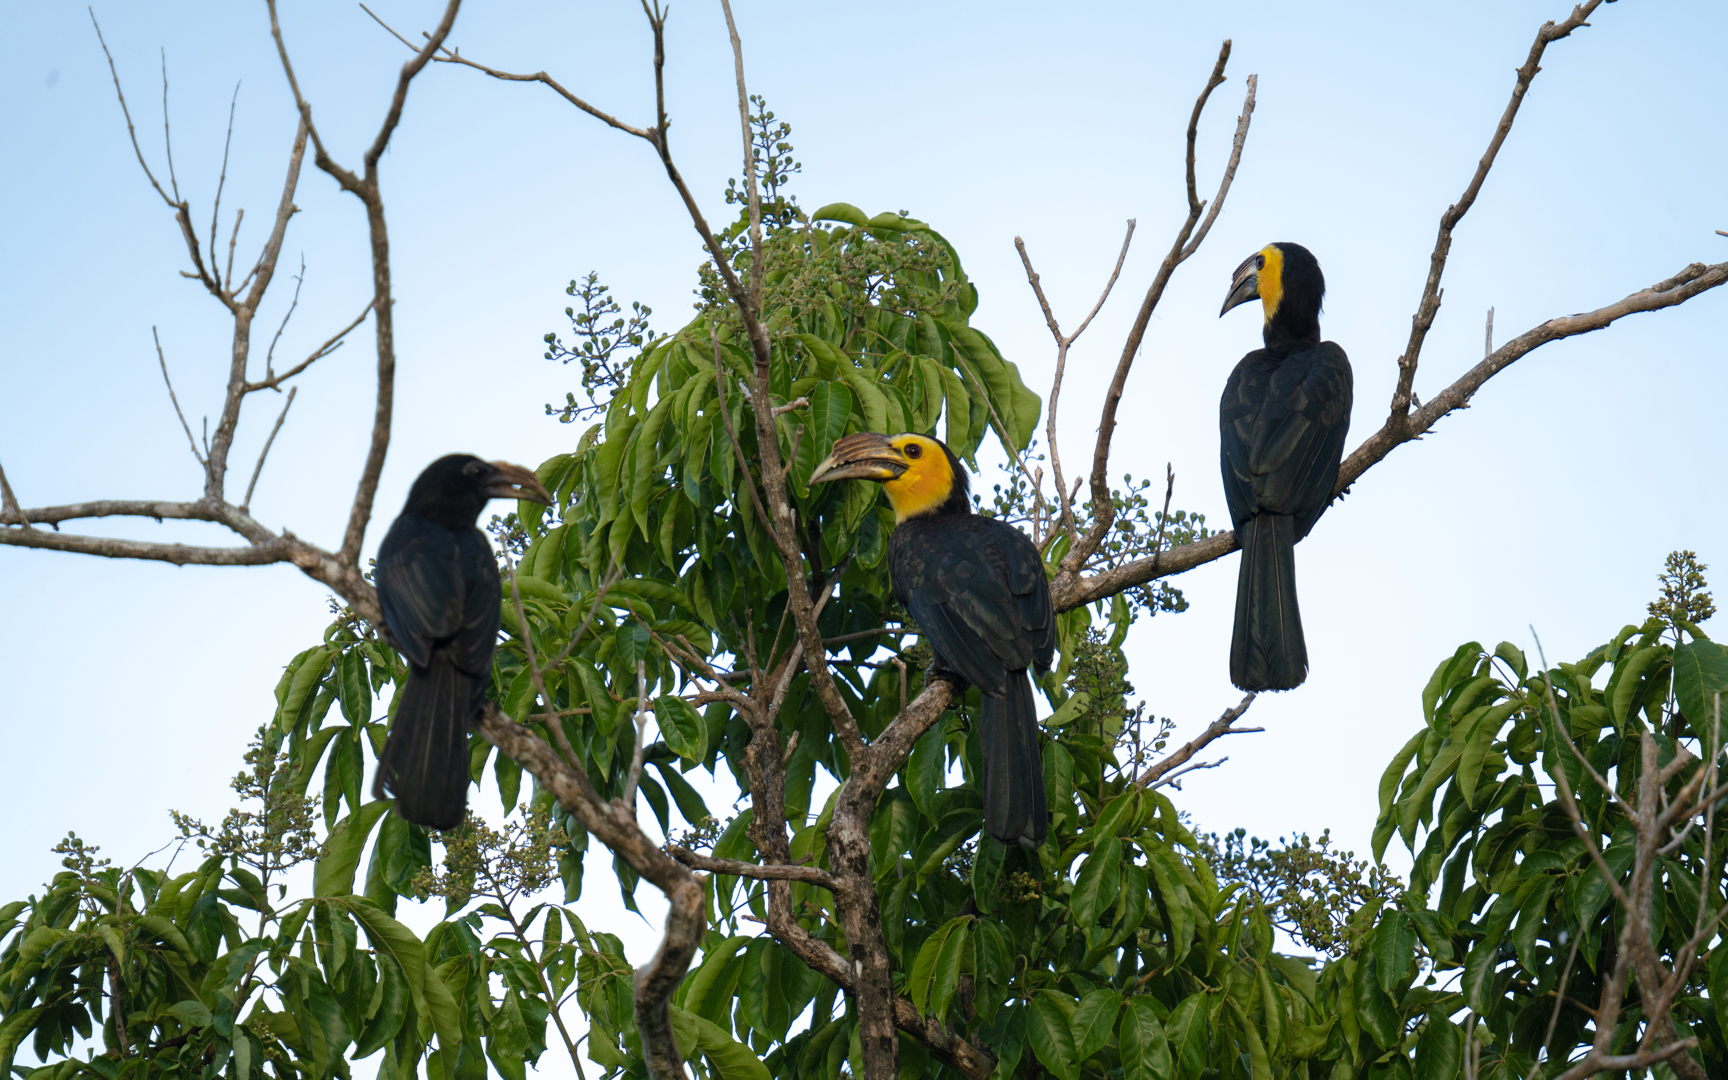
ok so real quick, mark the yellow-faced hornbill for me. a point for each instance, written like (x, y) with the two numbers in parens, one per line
(976, 588)
(1285, 412)
(438, 585)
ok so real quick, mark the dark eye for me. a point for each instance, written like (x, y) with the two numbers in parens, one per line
(474, 468)
(1259, 262)
(913, 450)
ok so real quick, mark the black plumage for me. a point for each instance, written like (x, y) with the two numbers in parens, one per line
(439, 589)
(1282, 424)
(976, 588)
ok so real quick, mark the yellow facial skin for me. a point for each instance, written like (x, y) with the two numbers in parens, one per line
(927, 481)
(1270, 282)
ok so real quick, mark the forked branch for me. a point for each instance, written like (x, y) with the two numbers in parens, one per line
(1186, 243)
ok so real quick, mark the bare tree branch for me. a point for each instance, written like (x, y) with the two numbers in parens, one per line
(10, 512)
(1431, 292)
(221, 181)
(448, 56)
(1214, 731)
(1103, 507)
(1072, 592)
(366, 189)
(810, 875)
(246, 503)
(272, 381)
(1062, 344)
(163, 361)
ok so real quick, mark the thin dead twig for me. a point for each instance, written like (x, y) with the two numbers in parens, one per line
(1062, 345)
(184, 426)
(246, 503)
(1214, 731)
(1172, 778)
(221, 180)
(639, 752)
(454, 56)
(272, 381)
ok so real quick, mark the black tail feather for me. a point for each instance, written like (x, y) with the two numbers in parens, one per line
(1267, 651)
(425, 759)
(1014, 803)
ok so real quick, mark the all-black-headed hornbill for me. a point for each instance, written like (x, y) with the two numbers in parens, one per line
(976, 588)
(1285, 412)
(438, 585)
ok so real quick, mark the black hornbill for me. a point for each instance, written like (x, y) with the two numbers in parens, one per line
(976, 588)
(438, 585)
(1285, 412)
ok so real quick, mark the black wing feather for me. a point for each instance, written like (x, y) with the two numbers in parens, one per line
(1283, 422)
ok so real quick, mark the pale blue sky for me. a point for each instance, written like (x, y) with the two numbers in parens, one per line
(132, 688)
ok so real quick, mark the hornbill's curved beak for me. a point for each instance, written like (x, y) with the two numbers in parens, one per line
(516, 482)
(1244, 285)
(863, 456)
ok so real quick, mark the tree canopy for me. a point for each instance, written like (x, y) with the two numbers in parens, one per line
(690, 603)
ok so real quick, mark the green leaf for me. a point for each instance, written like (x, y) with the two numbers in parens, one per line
(394, 941)
(12, 1032)
(1394, 948)
(1478, 741)
(507, 1039)
(705, 990)
(1421, 800)
(922, 982)
(1439, 1050)
(192, 1013)
(1478, 984)
(1629, 678)
(690, 803)
(871, 400)
(353, 688)
(333, 875)
(1094, 1020)
(950, 965)
(1051, 1038)
(446, 1017)
(1186, 1028)
(1389, 789)
(306, 672)
(633, 643)
(1374, 1010)
(682, 726)
(392, 997)
(1145, 1050)
(729, 1057)
(926, 768)
(845, 213)
(1700, 674)
(830, 408)
(164, 931)
(960, 437)
(507, 771)
(1095, 888)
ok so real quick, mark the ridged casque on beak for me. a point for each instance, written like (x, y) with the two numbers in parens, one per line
(516, 482)
(1244, 284)
(863, 456)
